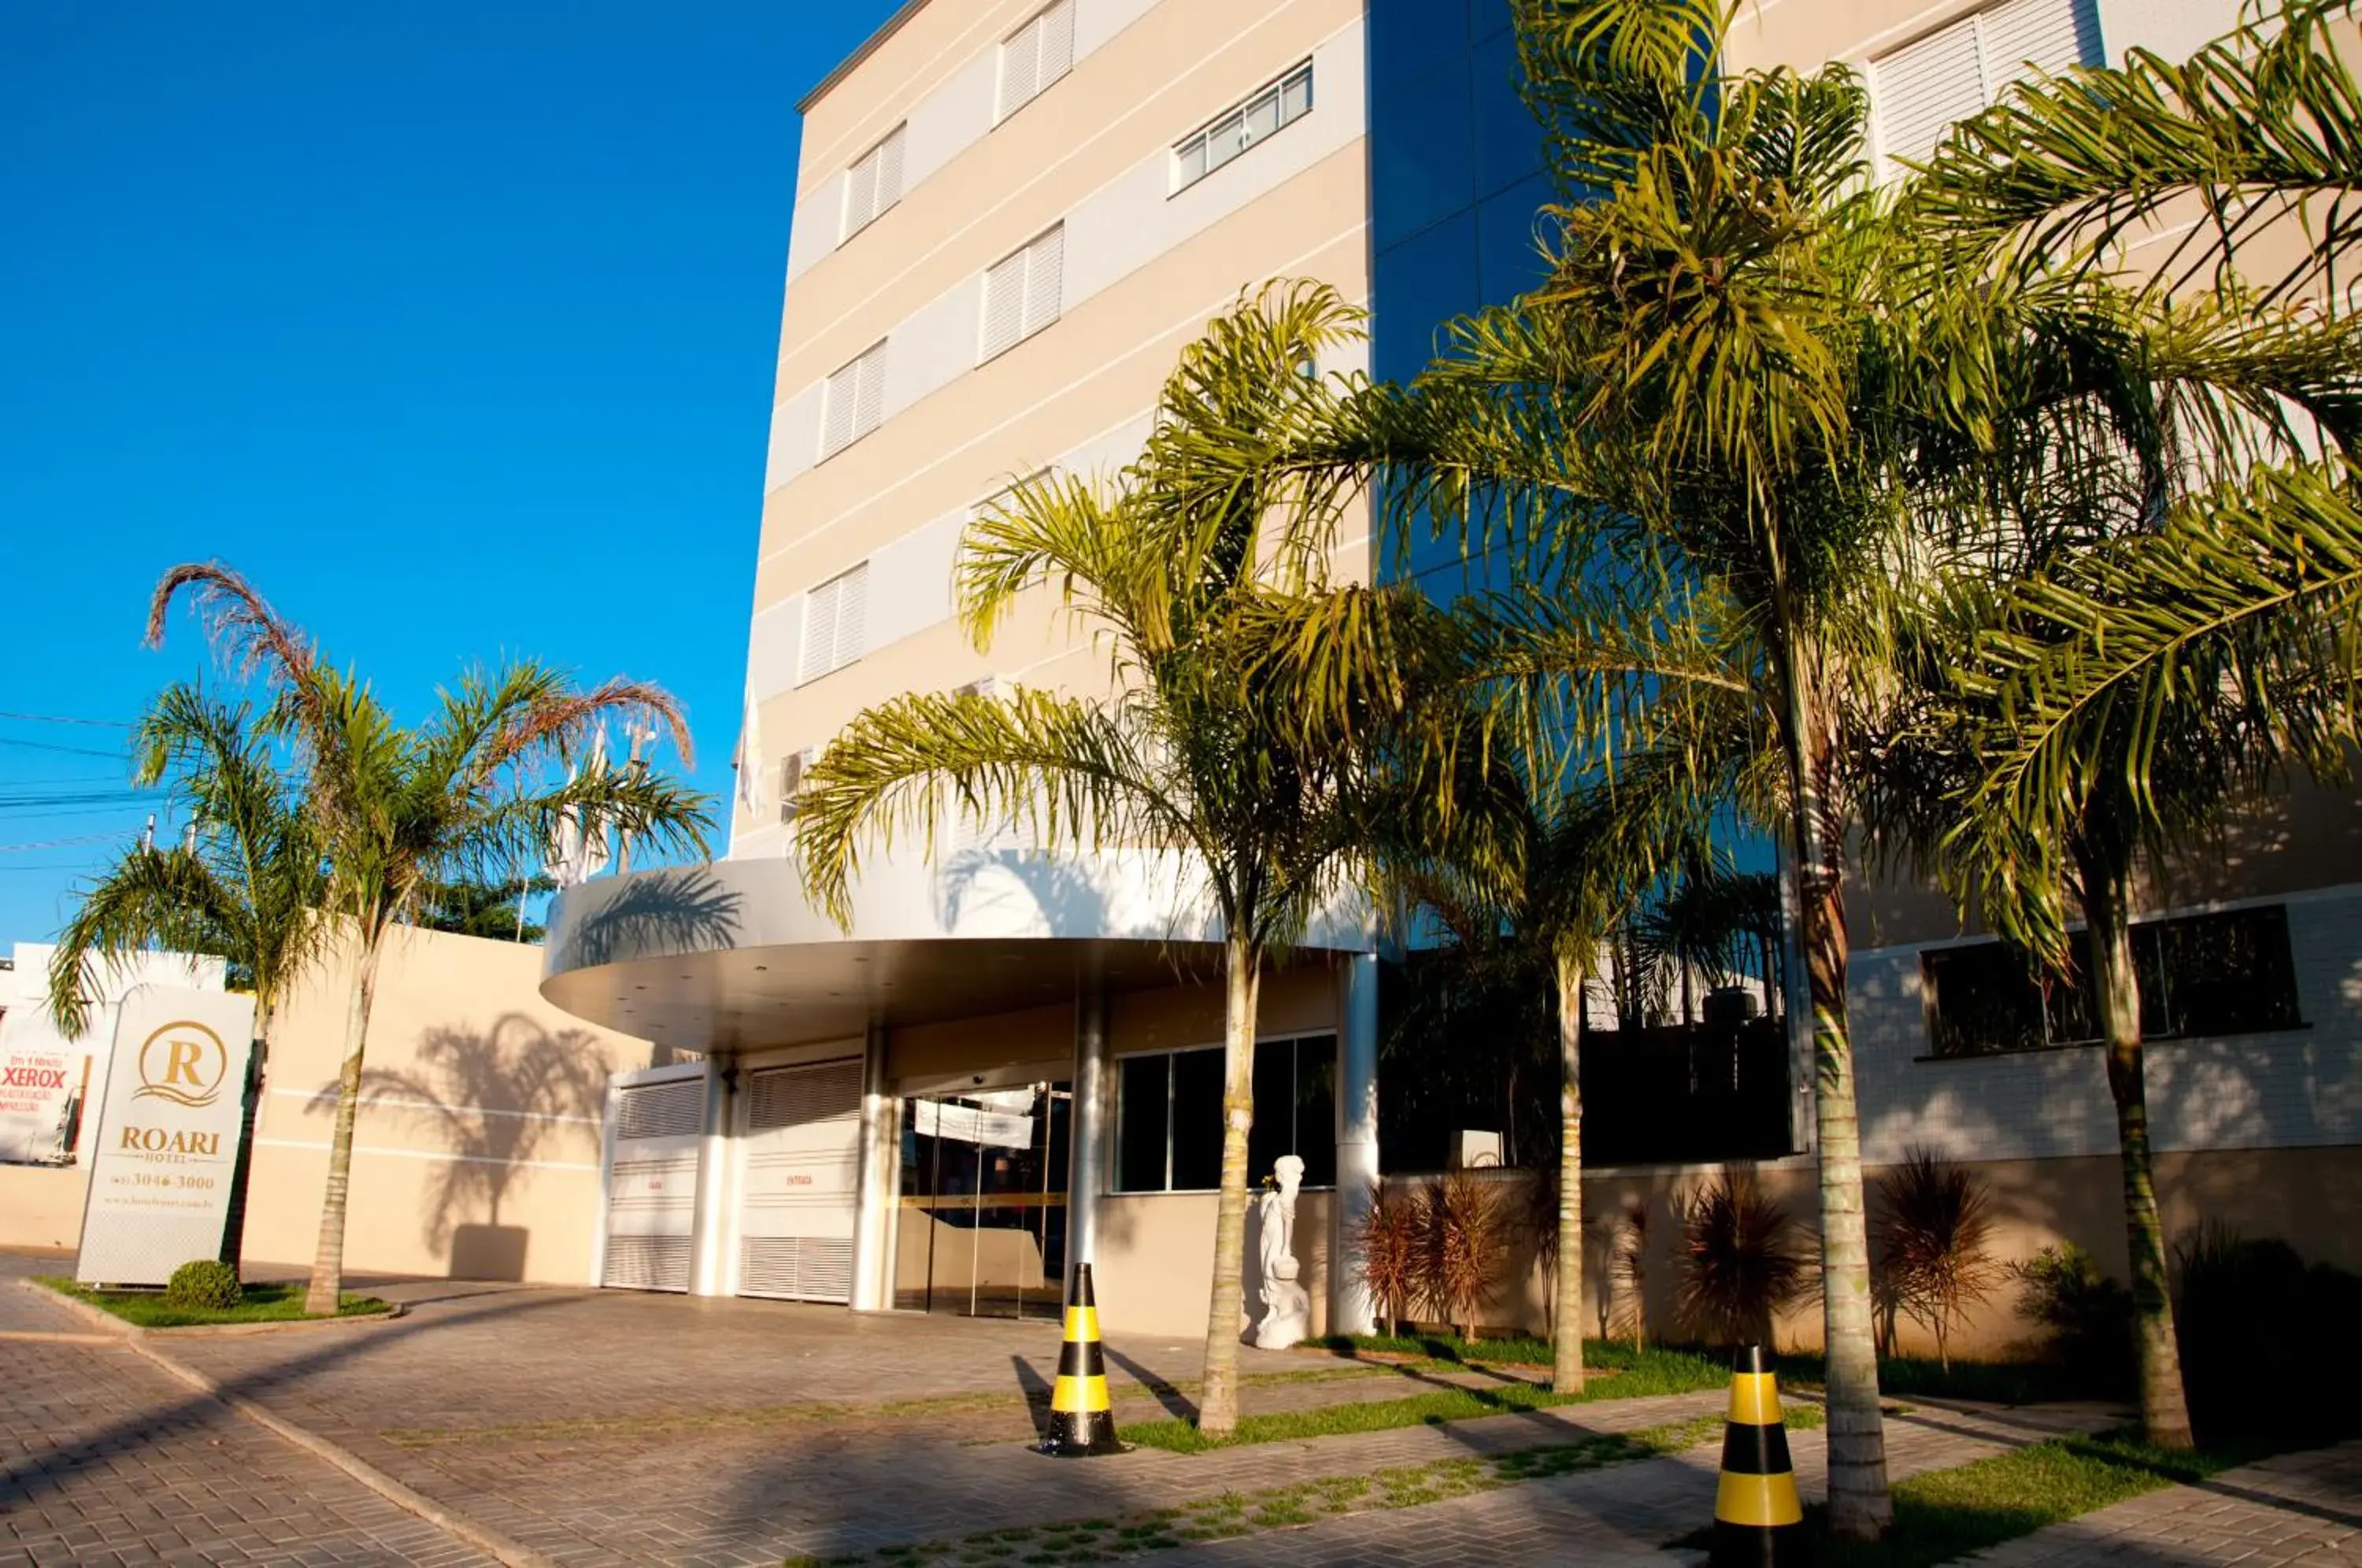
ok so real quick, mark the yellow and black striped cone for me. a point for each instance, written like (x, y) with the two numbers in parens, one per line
(1080, 1422)
(1759, 1521)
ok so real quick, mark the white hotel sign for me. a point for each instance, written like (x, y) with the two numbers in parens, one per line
(166, 1134)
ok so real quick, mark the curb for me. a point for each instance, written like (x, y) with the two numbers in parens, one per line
(513, 1553)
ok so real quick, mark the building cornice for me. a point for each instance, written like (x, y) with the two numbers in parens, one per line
(893, 24)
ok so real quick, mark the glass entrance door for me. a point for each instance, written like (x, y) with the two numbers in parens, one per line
(983, 1224)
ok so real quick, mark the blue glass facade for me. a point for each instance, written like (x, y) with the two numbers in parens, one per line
(1456, 180)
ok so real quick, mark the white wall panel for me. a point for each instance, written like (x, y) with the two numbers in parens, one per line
(811, 232)
(935, 345)
(1096, 21)
(773, 645)
(795, 436)
(946, 121)
(911, 581)
(2174, 29)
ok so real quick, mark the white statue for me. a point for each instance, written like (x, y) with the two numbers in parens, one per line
(1288, 1310)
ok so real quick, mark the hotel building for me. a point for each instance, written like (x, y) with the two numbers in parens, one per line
(1009, 220)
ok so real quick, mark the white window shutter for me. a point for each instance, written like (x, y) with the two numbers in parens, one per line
(869, 397)
(890, 170)
(820, 634)
(860, 197)
(1020, 58)
(1045, 272)
(2045, 35)
(836, 416)
(1057, 44)
(852, 615)
(1923, 87)
(1004, 305)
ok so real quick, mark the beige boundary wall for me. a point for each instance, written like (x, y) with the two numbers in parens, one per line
(477, 1154)
(2309, 1198)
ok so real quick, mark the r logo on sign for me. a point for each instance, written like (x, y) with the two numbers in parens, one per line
(183, 1063)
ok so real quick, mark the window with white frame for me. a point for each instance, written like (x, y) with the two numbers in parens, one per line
(872, 185)
(1035, 55)
(1920, 90)
(1282, 101)
(834, 616)
(854, 402)
(1021, 292)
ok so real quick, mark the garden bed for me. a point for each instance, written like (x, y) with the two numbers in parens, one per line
(271, 1303)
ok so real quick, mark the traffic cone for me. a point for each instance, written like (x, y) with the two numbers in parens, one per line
(1080, 1424)
(1758, 1520)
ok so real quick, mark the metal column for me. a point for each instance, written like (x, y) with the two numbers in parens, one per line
(874, 1194)
(1093, 1111)
(1349, 1309)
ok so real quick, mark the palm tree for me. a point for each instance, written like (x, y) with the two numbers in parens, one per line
(247, 885)
(2261, 130)
(398, 808)
(2090, 771)
(1195, 753)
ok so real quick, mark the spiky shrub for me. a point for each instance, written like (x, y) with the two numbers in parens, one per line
(2087, 1317)
(1386, 1242)
(204, 1284)
(1464, 1228)
(1930, 1257)
(1738, 1262)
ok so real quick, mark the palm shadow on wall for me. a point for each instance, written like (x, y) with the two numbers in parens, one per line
(496, 1098)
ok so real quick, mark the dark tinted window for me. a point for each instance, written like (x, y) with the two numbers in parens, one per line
(1196, 1119)
(1142, 1100)
(2201, 975)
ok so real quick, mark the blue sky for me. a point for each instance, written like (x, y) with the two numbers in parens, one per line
(451, 325)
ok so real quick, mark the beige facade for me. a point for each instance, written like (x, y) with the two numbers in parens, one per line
(476, 1151)
(1142, 266)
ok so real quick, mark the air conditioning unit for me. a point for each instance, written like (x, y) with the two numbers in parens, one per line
(982, 686)
(792, 782)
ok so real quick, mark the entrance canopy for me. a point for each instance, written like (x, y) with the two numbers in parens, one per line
(730, 957)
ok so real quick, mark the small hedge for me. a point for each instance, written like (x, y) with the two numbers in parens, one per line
(204, 1285)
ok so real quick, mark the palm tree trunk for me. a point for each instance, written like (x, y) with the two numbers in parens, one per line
(1566, 1319)
(326, 1288)
(241, 1170)
(2115, 990)
(1860, 1508)
(1217, 1406)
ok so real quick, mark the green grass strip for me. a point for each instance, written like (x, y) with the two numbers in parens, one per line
(1945, 1514)
(1229, 1515)
(263, 1304)
(1648, 1373)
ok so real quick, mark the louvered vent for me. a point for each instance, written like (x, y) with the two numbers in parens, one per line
(799, 1268)
(793, 1097)
(674, 1110)
(650, 1262)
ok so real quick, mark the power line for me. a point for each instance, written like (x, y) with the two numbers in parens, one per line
(61, 718)
(62, 750)
(60, 842)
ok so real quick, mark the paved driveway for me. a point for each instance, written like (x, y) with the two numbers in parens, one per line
(576, 1427)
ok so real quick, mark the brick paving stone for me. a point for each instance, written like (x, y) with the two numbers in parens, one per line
(2298, 1507)
(645, 1474)
(104, 1459)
